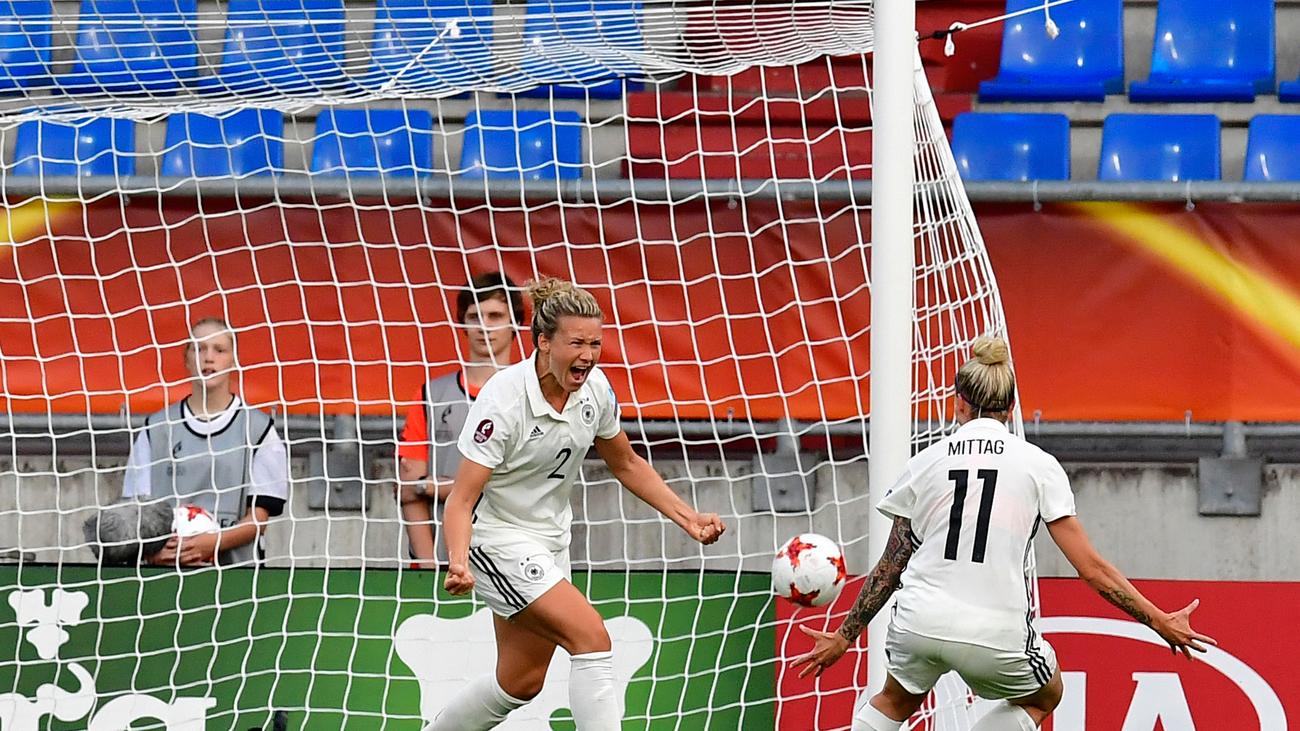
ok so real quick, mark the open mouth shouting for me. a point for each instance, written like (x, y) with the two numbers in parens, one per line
(578, 373)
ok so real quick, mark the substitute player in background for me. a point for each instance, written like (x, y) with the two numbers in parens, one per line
(507, 520)
(489, 311)
(965, 513)
(212, 450)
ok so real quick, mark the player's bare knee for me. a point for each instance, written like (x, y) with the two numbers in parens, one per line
(1051, 694)
(524, 685)
(590, 637)
(892, 705)
(1041, 704)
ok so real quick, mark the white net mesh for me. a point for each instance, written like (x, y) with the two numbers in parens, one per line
(716, 208)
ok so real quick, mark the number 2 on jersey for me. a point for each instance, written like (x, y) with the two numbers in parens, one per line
(961, 481)
(563, 456)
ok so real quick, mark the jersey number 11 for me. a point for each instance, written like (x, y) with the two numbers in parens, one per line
(961, 481)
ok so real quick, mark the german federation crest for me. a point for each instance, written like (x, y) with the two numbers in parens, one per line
(534, 570)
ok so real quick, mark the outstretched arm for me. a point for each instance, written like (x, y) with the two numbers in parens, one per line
(1110, 583)
(641, 480)
(882, 582)
(828, 647)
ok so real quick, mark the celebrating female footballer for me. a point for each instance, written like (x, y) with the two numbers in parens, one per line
(508, 516)
(965, 513)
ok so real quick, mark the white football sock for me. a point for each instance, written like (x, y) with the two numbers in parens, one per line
(479, 707)
(1006, 717)
(869, 718)
(592, 698)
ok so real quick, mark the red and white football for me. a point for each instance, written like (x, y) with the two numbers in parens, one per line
(809, 570)
(191, 520)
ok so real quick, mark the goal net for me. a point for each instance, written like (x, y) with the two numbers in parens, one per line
(326, 179)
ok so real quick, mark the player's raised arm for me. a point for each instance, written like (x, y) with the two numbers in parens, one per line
(1175, 628)
(641, 480)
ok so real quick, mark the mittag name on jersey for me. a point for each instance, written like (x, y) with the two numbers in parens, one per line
(967, 447)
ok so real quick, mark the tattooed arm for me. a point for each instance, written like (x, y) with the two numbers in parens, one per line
(882, 582)
(880, 585)
(1111, 584)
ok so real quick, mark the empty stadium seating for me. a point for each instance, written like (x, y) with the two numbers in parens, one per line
(1170, 147)
(1016, 147)
(1289, 91)
(1273, 148)
(1084, 63)
(554, 35)
(24, 43)
(761, 123)
(247, 142)
(373, 142)
(431, 45)
(133, 46)
(281, 46)
(522, 145)
(99, 146)
(1210, 51)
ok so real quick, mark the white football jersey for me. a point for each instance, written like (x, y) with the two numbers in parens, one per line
(975, 500)
(534, 451)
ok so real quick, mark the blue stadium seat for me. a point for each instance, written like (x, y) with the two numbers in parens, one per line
(100, 146)
(246, 142)
(24, 43)
(524, 144)
(1210, 51)
(1012, 146)
(1273, 148)
(555, 35)
(431, 45)
(373, 142)
(133, 46)
(277, 46)
(1084, 63)
(1289, 91)
(1171, 147)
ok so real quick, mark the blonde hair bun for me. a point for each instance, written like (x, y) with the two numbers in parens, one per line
(986, 381)
(554, 298)
(990, 350)
(546, 288)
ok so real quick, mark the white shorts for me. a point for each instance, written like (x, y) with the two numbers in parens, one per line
(916, 662)
(511, 573)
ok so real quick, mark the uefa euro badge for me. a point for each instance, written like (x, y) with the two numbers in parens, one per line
(483, 431)
(587, 413)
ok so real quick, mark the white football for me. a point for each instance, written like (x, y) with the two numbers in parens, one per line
(191, 520)
(809, 570)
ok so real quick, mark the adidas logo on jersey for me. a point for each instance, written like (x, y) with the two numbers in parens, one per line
(536, 432)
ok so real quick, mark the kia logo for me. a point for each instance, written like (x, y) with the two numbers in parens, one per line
(1268, 707)
(953, 694)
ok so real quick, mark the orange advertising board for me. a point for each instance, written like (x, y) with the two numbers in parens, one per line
(1116, 311)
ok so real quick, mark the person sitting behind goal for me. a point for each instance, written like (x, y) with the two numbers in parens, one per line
(212, 450)
(488, 312)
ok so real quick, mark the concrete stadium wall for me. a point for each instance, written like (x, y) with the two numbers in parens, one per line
(1143, 517)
